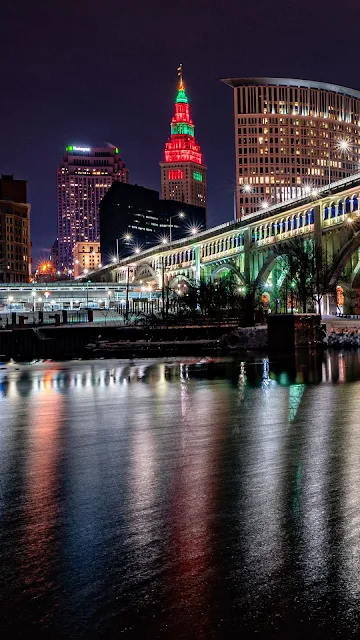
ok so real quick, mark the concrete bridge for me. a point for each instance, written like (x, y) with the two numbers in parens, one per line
(329, 215)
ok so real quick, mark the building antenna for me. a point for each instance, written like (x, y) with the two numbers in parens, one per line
(180, 74)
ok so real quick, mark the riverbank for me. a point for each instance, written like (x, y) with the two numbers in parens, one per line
(87, 341)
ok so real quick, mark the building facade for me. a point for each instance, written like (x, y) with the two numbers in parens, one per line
(15, 244)
(87, 257)
(83, 177)
(133, 218)
(291, 137)
(54, 254)
(183, 173)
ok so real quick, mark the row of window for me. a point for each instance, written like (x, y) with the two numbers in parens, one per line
(297, 221)
(337, 209)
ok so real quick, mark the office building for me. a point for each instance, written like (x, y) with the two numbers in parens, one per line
(291, 136)
(87, 257)
(133, 219)
(183, 173)
(15, 244)
(83, 177)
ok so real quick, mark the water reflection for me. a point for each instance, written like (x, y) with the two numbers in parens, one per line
(181, 498)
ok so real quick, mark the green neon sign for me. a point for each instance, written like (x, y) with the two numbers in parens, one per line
(198, 176)
(70, 148)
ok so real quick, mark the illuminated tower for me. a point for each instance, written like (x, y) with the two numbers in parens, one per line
(183, 174)
(83, 177)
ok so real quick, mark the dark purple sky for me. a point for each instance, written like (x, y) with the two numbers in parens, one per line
(90, 72)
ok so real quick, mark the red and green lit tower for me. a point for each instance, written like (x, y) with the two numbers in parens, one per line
(183, 174)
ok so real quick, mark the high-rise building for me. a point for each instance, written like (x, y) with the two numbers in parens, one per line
(291, 136)
(83, 177)
(54, 254)
(183, 174)
(15, 244)
(87, 257)
(133, 218)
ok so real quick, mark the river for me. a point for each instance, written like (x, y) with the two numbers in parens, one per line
(180, 499)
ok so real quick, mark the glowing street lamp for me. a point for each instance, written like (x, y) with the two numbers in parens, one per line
(181, 214)
(343, 145)
(194, 230)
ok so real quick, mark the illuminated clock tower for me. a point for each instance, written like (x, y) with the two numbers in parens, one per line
(183, 174)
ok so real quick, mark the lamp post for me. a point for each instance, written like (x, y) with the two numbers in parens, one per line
(127, 293)
(342, 146)
(162, 287)
(245, 189)
(181, 214)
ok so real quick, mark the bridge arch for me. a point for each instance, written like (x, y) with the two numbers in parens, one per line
(343, 257)
(267, 267)
(178, 278)
(227, 266)
(144, 270)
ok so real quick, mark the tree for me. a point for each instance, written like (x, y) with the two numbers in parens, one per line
(297, 257)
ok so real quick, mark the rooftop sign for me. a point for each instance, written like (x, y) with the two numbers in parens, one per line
(81, 149)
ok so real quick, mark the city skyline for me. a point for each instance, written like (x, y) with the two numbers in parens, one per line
(48, 107)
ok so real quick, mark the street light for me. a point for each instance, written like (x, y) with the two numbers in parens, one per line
(194, 230)
(181, 214)
(341, 146)
(33, 293)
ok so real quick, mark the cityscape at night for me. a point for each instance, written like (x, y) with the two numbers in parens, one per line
(179, 320)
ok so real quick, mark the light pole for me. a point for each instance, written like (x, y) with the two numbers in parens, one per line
(181, 214)
(342, 146)
(127, 293)
(162, 287)
(244, 189)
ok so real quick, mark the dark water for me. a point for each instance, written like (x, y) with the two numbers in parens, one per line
(180, 500)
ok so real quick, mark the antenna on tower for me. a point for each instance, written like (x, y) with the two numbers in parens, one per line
(180, 74)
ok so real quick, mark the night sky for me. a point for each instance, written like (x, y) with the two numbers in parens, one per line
(90, 72)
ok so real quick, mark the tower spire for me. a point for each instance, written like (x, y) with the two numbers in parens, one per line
(180, 74)
(183, 175)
